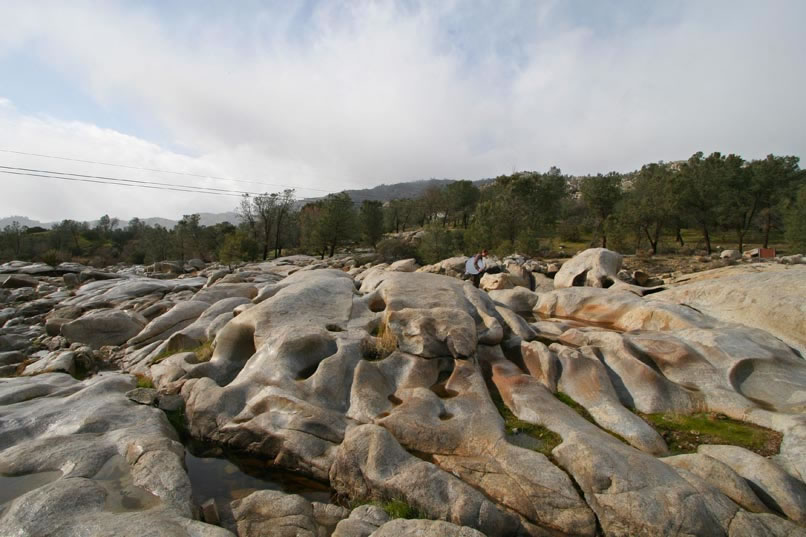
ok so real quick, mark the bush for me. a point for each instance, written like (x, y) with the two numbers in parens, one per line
(52, 257)
(570, 230)
(439, 243)
(394, 249)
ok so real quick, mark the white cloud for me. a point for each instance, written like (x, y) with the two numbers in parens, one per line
(368, 93)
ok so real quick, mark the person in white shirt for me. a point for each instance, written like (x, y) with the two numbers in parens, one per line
(475, 267)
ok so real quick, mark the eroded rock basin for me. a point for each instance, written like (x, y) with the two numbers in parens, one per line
(224, 478)
(413, 388)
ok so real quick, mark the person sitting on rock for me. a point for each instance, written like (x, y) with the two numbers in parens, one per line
(475, 267)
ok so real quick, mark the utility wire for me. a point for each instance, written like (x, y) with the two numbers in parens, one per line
(136, 181)
(103, 180)
(119, 184)
(161, 171)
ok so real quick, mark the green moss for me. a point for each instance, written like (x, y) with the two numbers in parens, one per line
(546, 440)
(395, 508)
(203, 353)
(683, 433)
(144, 381)
(579, 409)
(400, 509)
(582, 411)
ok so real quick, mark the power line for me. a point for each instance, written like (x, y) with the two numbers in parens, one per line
(77, 179)
(101, 179)
(137, 181)
(161, 171)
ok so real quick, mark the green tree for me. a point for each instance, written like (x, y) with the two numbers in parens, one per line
(795, 218)
(371, 221)
(461, 199)
(773, 181)
(337, 223)
(699, 193)
(648, 204)
(601, 194)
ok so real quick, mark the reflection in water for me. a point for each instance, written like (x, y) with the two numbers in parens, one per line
(15, 486)
(121, 493)
(223, 480)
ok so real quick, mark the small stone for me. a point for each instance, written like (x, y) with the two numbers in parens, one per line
(171, 403)
(210, 512)
(143, 396)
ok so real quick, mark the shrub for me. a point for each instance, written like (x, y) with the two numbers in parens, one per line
(439, 243)
(52, 257)
(393, 249)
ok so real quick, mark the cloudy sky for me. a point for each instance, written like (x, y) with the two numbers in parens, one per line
(328, 95)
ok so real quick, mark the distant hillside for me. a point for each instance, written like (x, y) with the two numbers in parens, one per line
(412, 189)
(23, 220)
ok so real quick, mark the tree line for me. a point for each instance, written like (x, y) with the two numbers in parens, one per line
(658, 208)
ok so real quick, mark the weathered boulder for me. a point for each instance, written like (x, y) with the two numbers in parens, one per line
(585, 380)
(519, 299)
(16, 281)
(174, 320)
(632, 493)
(103, 327)
(594, 267)
(58, 361)
(271, 513)
(772, 300)
(90, 445)
(371, 460)
(494, 282)
(404, 265)
(730, 254)
(721, 476)
(775, 487)
(362, 522)
(424, 528)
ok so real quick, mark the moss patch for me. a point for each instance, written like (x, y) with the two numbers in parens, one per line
(144, 381)
(546, 440)
(203, 353)
(683, 433)
(395, 508)
(579, 409)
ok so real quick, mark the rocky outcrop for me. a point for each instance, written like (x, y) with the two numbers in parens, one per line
(85, 447)
(396, 385)
(103, 327)
(768, 299)
(595, 267)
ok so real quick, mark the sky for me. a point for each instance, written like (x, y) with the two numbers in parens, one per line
(323, 96)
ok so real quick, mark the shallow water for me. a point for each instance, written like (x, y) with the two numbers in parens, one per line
(12, 487)
(121, 493)
(225, 481)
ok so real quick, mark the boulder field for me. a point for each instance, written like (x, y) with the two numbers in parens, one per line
(399, 383)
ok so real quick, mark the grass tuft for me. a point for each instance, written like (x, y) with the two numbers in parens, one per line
(395, 508)
(683, 433)
(144, 381)
(379, 346)
(203, 353)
